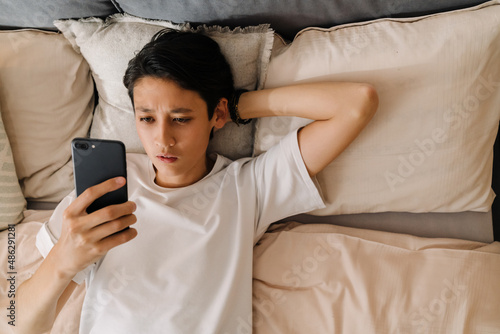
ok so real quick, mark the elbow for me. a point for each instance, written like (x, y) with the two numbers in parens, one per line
(368, 102)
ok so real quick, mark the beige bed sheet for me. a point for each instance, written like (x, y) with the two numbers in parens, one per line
(318, 278)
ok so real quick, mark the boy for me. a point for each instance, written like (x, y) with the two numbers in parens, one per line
(186, 266)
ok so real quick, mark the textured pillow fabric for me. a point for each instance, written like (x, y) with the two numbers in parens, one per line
(429, 147)
(12, 202)
(109, 45)
(46, 97)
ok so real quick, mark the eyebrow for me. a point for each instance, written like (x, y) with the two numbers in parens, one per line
(173, 111)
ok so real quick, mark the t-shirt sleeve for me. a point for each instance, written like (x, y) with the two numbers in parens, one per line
(284, 187)
(51, 231)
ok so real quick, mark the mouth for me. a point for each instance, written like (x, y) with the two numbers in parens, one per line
(166, 158)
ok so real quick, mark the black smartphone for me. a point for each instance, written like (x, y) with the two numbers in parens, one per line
(95, 161)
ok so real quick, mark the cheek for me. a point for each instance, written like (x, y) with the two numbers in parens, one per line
(199, 137)
(143, 135)
(139, 130)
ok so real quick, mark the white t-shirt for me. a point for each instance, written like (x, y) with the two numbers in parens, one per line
(189, 270)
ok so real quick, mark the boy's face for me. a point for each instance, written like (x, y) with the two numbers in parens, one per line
(174, 129)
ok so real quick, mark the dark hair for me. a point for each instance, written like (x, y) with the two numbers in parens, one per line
(191, 60)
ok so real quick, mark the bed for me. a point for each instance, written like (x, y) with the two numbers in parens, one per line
(408, 241)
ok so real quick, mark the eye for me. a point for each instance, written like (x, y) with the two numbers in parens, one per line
(181, 120)
(146, 119)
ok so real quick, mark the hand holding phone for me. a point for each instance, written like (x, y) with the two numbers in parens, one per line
(95, 161)
(85, 238)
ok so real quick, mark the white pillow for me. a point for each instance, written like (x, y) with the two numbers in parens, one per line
(109, 45)
(429, 148)
(47, 98)
(12, 202)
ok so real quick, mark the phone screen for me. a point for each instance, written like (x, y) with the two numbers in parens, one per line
(95, 161)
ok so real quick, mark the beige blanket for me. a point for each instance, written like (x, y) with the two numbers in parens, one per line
(330, 279)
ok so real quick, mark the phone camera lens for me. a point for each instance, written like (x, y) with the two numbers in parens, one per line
(82, 146)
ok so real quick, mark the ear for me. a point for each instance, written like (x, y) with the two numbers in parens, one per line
(221, 114)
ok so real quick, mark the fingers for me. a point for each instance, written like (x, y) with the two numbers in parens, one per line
(86, 222)
(117, 239)
(109, 228)
(110, 213)
(86, 238)
(91, 194)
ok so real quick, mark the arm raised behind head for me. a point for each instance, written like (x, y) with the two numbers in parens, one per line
(340, 111)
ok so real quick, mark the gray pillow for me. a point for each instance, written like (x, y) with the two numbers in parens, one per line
(286, 17)
(40, 14)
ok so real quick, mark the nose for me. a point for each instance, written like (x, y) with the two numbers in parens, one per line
(164, 135)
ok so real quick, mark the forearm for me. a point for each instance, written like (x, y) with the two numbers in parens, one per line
(316, 101)
(38, 297)
(340, 111)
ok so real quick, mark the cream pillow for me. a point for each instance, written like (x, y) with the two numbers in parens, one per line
(430, 145)
(12, 202)
(46, 100)
(109, 45)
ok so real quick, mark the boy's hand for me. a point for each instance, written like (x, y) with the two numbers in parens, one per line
(85, 238)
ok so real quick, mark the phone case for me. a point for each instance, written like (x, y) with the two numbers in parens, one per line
(95, 161)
